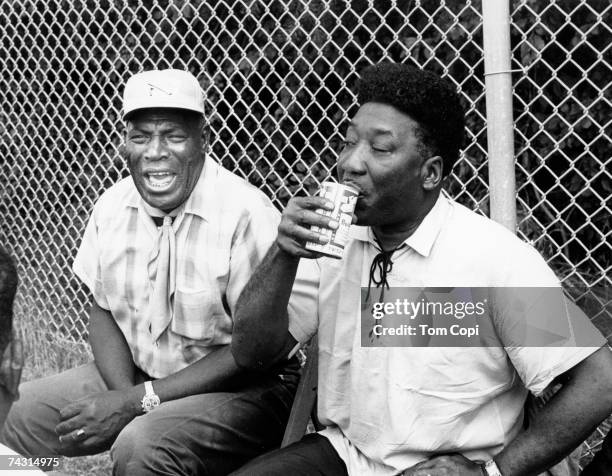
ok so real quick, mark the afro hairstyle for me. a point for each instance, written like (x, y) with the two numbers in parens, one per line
(431, 101)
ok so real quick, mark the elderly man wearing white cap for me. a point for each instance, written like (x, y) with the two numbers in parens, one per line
(165, 254)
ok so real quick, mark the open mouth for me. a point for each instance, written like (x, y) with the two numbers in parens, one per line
(159, 180)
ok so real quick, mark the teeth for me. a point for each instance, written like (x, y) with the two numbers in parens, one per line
(160, 179)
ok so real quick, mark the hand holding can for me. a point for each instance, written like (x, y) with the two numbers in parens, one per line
(344, 199)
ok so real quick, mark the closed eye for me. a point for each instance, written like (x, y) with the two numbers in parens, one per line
(138, 139)
(382, 147)
(177, 138)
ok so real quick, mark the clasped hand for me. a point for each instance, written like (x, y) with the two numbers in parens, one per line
(445, 465)
(93, 422)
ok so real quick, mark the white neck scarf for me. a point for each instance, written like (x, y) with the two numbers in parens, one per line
(160, 308)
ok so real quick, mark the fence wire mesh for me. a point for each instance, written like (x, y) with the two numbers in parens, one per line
(277, 76)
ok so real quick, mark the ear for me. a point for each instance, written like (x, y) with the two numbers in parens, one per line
(123, 146)
(431, 172)
(205, 137)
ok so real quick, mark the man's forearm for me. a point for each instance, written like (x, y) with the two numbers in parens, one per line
(111, 352)
(260, 334)
(566, 420)
(215, 372)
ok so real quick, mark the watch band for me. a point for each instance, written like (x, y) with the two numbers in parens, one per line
(150, 401)
(491, 468)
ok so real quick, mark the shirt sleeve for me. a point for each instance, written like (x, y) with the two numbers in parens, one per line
(255, 236)
(303, 304)
(87, 263)
(543, 331)
(255, 232)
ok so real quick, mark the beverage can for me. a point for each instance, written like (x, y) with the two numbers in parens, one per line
(344, 199)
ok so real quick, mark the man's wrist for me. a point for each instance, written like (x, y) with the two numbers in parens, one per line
(279, 251)
(133, 401)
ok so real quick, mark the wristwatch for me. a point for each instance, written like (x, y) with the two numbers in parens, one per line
(150, 401)
(491, 469)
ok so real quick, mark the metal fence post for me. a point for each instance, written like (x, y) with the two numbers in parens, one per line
(500, 127)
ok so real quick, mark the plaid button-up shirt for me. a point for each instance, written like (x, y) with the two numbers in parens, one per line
(222, 232)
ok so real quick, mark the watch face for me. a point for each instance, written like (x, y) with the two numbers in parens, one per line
(149, 402)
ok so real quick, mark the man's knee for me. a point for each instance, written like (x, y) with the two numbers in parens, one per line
(139, 451)
(313, 454)
(30, 424)
(130, 450)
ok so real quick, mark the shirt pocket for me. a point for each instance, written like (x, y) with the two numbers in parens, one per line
(199, 316)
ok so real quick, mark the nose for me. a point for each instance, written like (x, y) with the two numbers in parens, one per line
(156, 149)
(352, 160)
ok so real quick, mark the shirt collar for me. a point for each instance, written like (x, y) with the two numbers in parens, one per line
(202, 198)
(424, 237)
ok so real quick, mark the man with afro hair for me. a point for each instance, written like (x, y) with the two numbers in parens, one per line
(413, 407)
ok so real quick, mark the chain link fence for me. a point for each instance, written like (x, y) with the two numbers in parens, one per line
(563, 160)
(278, 77)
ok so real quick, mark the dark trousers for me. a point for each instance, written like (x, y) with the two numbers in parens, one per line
(209, 434)
(313, 455)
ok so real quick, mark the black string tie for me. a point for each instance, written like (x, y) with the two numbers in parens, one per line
(383, 264)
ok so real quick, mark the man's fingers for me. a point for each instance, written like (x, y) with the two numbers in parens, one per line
(438, 461)
(70, 411)
(301, 234)
(75, 437)
(311, 203)
(68, 426)
(308, 218)
(296, 248)
(428, 464)
(313, 217)
(296, 228)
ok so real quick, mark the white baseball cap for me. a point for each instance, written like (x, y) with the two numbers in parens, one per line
(167, 88)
